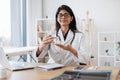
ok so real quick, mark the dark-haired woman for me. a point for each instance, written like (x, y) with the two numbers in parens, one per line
(64, 45)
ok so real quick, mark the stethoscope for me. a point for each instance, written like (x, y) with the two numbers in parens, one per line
(59, 39)
(71, 40)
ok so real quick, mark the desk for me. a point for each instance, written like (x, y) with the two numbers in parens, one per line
(38, 74)
(118, 77)
(19, 51)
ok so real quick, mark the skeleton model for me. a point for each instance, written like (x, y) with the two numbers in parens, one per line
(88, 30)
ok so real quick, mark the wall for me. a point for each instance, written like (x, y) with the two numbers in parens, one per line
(104, 12)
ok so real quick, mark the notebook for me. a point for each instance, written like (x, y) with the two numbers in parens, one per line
(15, 66)
(50, 66)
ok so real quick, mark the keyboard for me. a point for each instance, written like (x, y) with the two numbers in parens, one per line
(84, 75)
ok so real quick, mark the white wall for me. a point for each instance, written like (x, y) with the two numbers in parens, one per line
(105, 14)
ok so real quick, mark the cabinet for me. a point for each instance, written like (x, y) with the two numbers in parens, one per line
(109, 48)
(43, 25)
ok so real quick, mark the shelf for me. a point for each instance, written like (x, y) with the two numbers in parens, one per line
(106, 41)
(106, 61)
(43, 25)
(106, 56)
(107, 45)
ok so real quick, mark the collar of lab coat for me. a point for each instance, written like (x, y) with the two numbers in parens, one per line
(68, 38)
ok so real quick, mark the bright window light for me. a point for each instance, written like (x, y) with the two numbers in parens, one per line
(5, 19)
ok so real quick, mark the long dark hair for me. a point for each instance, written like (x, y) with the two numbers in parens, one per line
(72, 25)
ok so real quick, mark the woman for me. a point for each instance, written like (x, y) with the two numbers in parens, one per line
(66, 47)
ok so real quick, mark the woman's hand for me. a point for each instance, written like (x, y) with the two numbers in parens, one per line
(68, 47)
(46, 40)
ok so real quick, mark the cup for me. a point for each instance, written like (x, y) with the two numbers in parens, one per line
(4, 72)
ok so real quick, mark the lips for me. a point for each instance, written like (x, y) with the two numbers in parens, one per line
(63, 20)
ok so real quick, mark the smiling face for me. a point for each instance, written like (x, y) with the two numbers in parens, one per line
(64, 18)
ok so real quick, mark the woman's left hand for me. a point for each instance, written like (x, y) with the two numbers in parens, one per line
(65, 47)
(68, 47)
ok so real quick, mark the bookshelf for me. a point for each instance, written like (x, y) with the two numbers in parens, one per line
(108, 49)
(43, 25)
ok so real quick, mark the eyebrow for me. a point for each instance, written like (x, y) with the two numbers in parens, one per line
(63, 13)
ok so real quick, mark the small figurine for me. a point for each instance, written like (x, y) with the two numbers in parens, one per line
(107, 51)
(105, 38)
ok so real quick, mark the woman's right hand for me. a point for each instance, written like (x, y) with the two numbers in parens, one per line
(46, 40)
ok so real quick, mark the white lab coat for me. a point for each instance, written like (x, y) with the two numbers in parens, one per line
(59, 55)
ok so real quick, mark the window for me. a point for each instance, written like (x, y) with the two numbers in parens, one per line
(18, 23)
(5, 22)
(13, 23)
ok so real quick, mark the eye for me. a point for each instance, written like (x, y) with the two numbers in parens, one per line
(60, 15)
(66, 15)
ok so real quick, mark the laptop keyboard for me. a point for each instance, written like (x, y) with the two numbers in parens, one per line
(16, 66)
(79, 75)
(20, 66)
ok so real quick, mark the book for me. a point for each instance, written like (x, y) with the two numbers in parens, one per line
(50, 66)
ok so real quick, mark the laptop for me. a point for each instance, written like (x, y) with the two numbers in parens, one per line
(14, 66)
(84, 75)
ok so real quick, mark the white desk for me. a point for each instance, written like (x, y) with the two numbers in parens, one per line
(19, 51)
